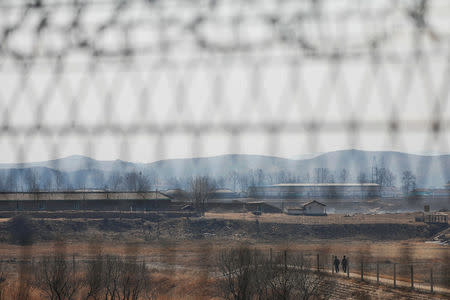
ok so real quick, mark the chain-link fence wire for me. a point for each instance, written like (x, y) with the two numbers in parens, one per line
(144, 80)
(147, 80)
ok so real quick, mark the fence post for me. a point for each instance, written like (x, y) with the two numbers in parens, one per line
(285, 259)
(378, 273)
(431, 280)
(362, 271)
(318, 265)
(395, 275)
(412, 277)
(332, 264)
(73, 263)
(348, 269)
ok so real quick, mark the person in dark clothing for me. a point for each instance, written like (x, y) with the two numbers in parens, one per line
(344, 264)
(336, 264)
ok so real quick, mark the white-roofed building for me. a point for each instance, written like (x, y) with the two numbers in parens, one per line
(316, 190)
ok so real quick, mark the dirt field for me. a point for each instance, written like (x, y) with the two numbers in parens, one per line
(403, 218)
(186, 269)
(182, 252)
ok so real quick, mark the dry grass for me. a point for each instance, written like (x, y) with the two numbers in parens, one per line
(201, 253)
(400, 218)
(185, 269)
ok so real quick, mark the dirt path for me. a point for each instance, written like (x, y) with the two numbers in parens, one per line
(388, 283)
(354, 289)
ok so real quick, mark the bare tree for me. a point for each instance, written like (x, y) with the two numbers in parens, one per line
(32, 181)
(237, 269)
(201, 189)
(125, 279)
(322, 175)
(137, 181)
(290, 276)
(115, 180)
(131, 181)
(60, 180)
(2, 182)
(10, 182)
(134, 279)
(56, 278)
(3, 283)
(112, 273)
(234, 179)
(94, 278)
(243, 182)
(143, 182)
(362, 178)
(307, 178)
(249, 275)
(281, 177)
(260, 177)
(344, 175)
(408, 181)
(383, 176)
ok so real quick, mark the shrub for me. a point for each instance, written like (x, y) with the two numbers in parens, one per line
(21, 230)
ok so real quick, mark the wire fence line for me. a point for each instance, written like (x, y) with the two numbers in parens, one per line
(157, 69)
(424, 277)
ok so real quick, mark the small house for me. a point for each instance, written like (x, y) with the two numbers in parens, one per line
(314, 208)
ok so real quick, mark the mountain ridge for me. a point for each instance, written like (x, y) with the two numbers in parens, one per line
(430, 170)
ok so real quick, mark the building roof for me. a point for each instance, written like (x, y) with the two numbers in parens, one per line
(175, 194)
(311, 202)
(324, 184)
(224, 191)
(173, 191)
(255, 202)
(78, 195)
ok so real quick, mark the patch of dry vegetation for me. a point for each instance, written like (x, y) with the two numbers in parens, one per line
(394, 218)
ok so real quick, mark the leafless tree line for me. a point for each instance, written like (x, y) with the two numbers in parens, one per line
(104, 277)
(200, 191)
(248, 274)
(42, 179)
(34, 180)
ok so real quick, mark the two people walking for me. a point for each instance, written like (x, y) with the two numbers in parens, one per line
(337, 262)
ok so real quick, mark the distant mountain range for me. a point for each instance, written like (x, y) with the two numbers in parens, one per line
(431, 171)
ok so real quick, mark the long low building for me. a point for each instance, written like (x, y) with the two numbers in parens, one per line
(84, 200)
(316, 190)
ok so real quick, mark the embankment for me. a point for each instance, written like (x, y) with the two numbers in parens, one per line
(143, 229)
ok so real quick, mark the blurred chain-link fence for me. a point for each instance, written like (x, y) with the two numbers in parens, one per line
(146, 80)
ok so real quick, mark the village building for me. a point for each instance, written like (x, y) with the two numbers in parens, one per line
(316, 190)
(390, 192)
(177, 195)
(315, 208)
(84, 200)
(295, 211)
(437, 193)
(312, 208)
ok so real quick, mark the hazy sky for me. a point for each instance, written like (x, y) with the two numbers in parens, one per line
(251, 77)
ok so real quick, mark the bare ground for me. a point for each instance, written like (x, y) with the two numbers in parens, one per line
(182, 252)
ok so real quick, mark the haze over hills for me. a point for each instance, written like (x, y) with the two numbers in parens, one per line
(431, 171)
